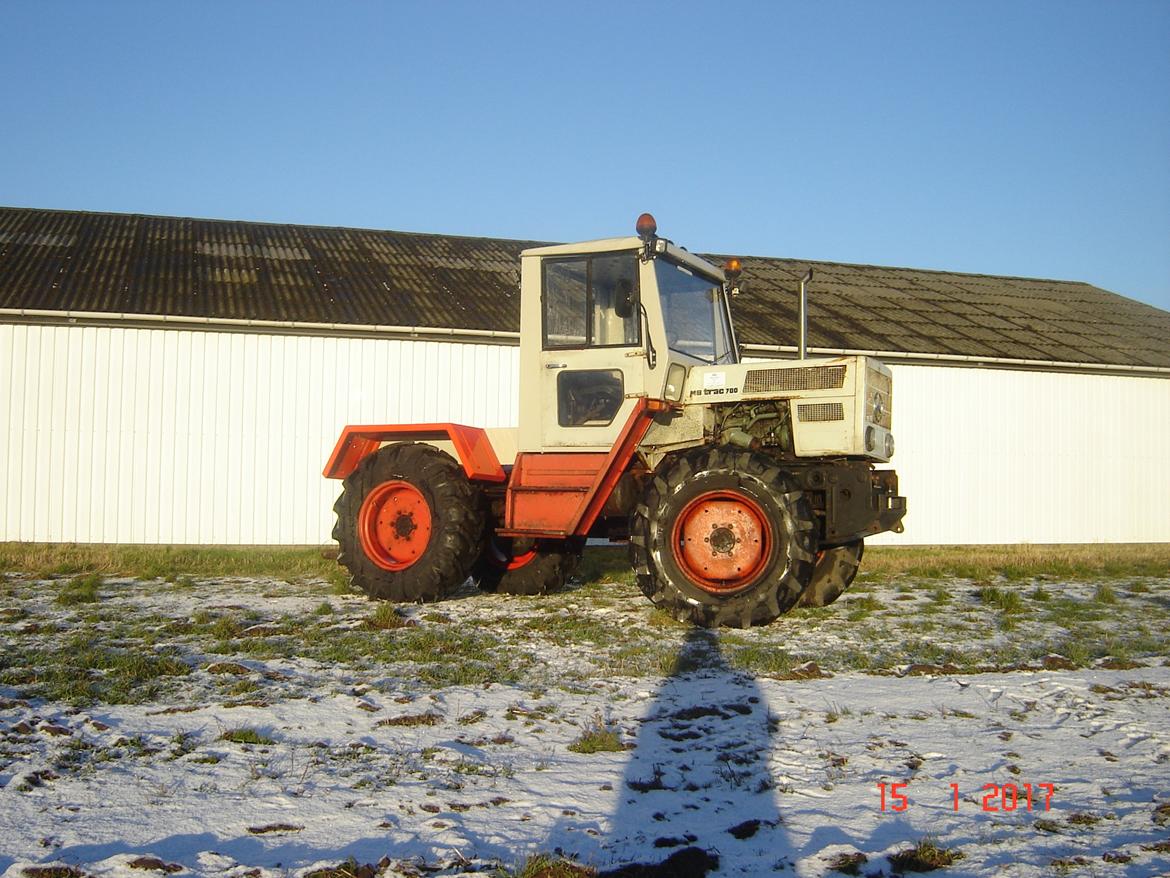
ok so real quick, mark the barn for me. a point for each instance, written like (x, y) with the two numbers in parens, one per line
(182, 381)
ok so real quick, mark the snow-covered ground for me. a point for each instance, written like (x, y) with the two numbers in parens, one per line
(1056, 771)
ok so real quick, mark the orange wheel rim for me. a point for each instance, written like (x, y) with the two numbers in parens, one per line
(394, 525)
(722, 541)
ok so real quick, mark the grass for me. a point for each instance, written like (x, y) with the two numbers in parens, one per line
(247, 735)
(925, 856)
(52, 872)
(441, 655)
(82, 590)
(546, 866)
(1006, 601)
(1105, 594)
(861, 607)
(605, 565)
(78, 671)
(631, 655)
(570, 628)
(348, 869)
(1069, 612)
(415, 719)
(386, 617)
(598, 737)
(758, 658)
(848, 863)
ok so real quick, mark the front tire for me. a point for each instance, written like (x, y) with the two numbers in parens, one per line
(408, 524)
(722, 538)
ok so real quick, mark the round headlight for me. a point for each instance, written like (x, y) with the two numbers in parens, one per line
(879, 410)
(870, 440)
(676, 377)
(889, 445)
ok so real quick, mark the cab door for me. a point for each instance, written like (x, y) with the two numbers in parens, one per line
(592, 358)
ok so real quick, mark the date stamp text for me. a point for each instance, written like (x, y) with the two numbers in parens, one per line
(995, 797)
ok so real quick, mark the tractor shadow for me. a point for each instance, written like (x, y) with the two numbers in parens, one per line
(697, 792)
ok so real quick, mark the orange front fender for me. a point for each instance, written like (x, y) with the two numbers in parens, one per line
(471, 444)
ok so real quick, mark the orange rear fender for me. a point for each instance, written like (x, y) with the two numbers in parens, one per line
(471, 444)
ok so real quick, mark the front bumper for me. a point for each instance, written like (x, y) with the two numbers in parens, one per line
(852, 500)
(891, 506)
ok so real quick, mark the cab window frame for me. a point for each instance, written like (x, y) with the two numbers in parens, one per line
(588, 312)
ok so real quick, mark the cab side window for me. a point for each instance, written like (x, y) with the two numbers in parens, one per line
(589, 397)
(591, 301)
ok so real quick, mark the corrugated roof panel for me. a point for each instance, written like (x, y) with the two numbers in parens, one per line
(67, 260)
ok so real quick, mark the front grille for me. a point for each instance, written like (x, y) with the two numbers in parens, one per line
(820, 411)
(806, 378)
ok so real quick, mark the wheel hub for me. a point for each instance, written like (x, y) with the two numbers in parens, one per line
(394, 525)
(722, 541)
(404, 526)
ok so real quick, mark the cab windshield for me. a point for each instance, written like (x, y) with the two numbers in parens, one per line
(695, 313)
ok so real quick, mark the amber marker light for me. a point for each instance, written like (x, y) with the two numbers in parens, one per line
(733, 268)
(646, 226)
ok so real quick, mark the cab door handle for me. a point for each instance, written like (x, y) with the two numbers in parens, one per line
(555, 365)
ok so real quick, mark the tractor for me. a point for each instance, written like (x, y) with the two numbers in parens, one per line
(743, 489)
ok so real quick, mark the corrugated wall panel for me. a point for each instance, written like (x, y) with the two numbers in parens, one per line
(168, 436)
(995, 456)
(11, 387)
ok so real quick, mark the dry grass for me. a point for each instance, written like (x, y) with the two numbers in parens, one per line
(52, 872)
(546, 866)
(387, 617)
(925, 856)
(169, 562)
(1019, 562)
(598, 737)
(247, 735)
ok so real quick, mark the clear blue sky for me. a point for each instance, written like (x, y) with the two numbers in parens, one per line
(1028, 138)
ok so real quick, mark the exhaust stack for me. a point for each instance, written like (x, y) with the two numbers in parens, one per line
(802, 344)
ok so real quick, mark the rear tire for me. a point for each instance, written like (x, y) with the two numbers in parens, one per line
(722, 538)
(409, 524)
(834, 572)
(540, 570)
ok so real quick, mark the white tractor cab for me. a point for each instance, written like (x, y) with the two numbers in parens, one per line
(743, 489)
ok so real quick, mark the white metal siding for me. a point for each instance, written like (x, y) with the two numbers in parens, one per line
(169, 436)
(997, 456)
(163, 436)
